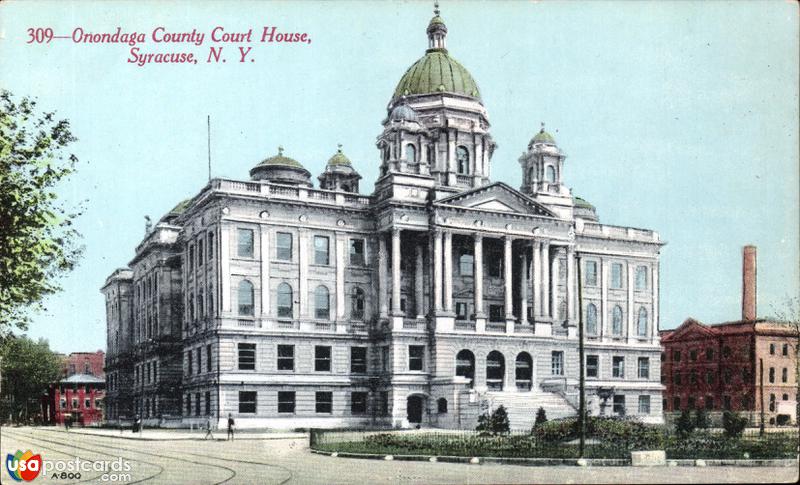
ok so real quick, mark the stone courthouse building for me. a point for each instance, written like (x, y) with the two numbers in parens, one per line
(440, 295)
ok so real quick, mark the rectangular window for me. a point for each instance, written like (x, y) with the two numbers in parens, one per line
(383, 403)
(641, 277)
(283, 245)
(676, 355)
(591, 273)
(385, 358)
(197, 409)
(285, 357)
(324, 402)
(496, 313)
(619, 405)
(87, 403)
(771, 349)
(466, 264)
(247, 402)
(247, 356)
(210, 249)
(709, 402)
(618, 367)
(785, 375)
(709, 354)
(616, 275)
(189, 362)
(208, 358)
(461, 310)
(358, 403)
(592, 366)
(644, 368)
(358, 360)
(286, 402)
(188, 404)
(644, 404)
(494, 260)
(321, 250)
(357, 252)
(676, 403)
(191, 258)
(416, 355)
(557, 363)
(322, 359)
(244, 243)
(199, 360)
(785, 350)
(200, 253)
(208, 403)
(692, 355)
(771, 375)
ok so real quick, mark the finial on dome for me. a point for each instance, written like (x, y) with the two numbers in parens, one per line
(542, 130)
(280, 149)
(437, 31)
(436, 8)
(339, 147)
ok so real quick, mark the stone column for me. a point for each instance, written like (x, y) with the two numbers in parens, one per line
(382, 280)
(341, 244)
(265, 257)
(419, 290)
(603, 297)
(536, 277)
(225, 269)
(631, 313)
(477, 272)
(554, 277)
(570, 284)
(302, 256)
(396, 272)
(507, 276)
(437, 271)
(655, 321)
(448, 272)
(523, 287)
(545, 260)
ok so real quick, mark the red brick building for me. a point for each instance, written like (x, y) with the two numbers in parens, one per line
(744, 366)
(79, 396)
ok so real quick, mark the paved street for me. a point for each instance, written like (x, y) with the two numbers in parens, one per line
(286, 459)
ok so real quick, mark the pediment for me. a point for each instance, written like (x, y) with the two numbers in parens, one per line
(690, 329)
(497, 197)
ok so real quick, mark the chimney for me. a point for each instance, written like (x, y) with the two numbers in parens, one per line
(749, 283)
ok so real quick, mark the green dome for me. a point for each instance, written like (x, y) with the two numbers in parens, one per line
(582, 203)
(339, 158)
(437, 72)
(280, 160)
(436, 20)
(180, 208)
(544, 137)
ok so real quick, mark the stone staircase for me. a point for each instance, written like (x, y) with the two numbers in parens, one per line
(522, 406)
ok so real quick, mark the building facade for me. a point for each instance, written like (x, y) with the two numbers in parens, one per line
(440, 295)
(79, 396)
(744, 366)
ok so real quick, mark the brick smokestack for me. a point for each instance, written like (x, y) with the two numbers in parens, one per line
(749, 283)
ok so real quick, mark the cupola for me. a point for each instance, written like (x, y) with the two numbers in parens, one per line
(339, 174)
(282, 170)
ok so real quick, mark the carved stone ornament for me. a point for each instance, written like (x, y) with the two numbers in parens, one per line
(264, 214)
(303, 218)
(340, 223)
(226, 210)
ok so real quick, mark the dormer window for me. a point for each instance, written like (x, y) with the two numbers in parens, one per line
(462, 159)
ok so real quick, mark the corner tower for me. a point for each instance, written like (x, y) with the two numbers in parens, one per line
(542, 174)
(436, 133)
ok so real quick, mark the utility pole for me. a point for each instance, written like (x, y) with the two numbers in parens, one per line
(208, 126)
(582, 364)
(761, 392)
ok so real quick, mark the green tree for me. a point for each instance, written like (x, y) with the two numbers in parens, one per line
(685, 425)
(701, 419)
(541, 417)
(495, 422)
(38, 242)
(28, 368)
(734, 424)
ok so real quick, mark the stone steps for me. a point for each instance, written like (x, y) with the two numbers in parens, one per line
(522, 406)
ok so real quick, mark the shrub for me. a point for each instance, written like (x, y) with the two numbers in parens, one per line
(541, 417)
(494, 423)
(685, 425)
(620, 433)
(701, 419)
(734, 424)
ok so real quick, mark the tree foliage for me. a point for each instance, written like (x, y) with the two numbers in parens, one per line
(541, 417)
(701, 420)
(28, 368)
(734, 424)
(685, 424)
(38, 242)
(495, 422)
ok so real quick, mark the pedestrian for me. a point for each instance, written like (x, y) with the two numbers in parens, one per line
(137, 424)
(208, 429)
(231, 423)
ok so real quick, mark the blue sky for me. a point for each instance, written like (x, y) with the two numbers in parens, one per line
(676, 116)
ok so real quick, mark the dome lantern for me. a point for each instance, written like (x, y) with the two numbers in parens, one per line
(281, 169)
(339, 174)
(437, 30)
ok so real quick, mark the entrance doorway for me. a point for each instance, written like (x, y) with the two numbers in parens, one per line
(415, 405)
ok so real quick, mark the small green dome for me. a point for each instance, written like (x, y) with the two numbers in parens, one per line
(437, 72)
(436, 20)
(544, 137)
(582, 203)
(280, 160)
(180, 208)
(339, 158)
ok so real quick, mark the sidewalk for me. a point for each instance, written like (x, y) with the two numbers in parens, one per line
(158, 434)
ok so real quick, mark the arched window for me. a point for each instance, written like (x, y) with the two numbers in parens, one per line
(245, 298)
(441, 405)
(616, 321)
(550, 174)
(641, 327)
(322, 303)
(357, 304)
(462, 160)
(411, 153)
(524, 371)
(591, 319)
(285, 302)
(495, 371)
(465, 365)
